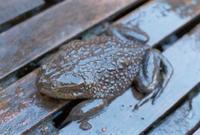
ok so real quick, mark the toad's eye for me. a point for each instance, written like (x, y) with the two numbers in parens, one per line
(69, 79)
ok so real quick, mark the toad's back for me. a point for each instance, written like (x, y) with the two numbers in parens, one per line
(107, 65)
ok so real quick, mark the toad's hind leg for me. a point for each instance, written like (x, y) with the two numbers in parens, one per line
(153, 76)
(127, 32)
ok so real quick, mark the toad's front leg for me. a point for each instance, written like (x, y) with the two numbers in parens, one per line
(126, 32)
(153, 76)
(87, 109)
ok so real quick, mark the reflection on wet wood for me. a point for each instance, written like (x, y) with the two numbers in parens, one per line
(36, 36)
(19, 117)
(22, 106)
(197, 132)
(9, 9)
(185, 118)
(44, 128)
(120, 112)
(160, 18)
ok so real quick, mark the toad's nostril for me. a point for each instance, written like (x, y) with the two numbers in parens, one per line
(43, 83)
(70, 79)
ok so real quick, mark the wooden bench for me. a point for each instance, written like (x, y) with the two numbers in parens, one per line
(10, 9)
(24, 110)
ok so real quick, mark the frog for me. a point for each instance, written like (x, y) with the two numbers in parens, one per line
(101, 69)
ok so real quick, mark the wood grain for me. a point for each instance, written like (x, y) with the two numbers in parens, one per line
(38, 108)
(47, 30)
(182, 120)
(9, 9)
(44, 128)
(160, 18)
(197, 132)
(21, 106)
(119, 117)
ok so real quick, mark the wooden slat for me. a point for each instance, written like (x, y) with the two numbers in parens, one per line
(50, 32)
(40, 112)
(160, 18)
(40, 36)
(9, 9)
(44, 128)
(119, 117)
(182, 121)
(31, 39)
(197, 132)
(21, 106)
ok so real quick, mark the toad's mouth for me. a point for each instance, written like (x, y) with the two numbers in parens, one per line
(63, 94)
(64, 86)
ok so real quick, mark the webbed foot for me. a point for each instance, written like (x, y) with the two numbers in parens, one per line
(87, 109)
(127, 32)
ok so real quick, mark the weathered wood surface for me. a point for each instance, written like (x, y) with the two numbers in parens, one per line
(182, 121)
(160, 18)
(119, 118)
(44, 32)
(9, 9)
(47, 30)
(15, 116)
(21, 106)
(44, 128)
(38, 109)
(197, 132)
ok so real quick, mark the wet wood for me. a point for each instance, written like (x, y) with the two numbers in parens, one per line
(40, 34)
(182, 121)
(42, 108)
(22, 106)
(160, 18)
(44, 128)
(120, 112)
(9, 9)
(197, 132)
(17, 117)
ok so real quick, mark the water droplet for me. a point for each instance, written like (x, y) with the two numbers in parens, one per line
(85, 125)
(104, 129)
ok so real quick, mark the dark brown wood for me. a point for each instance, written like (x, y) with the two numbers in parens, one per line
(119, 117)
(182, 120)
(9, 9)
(40, 34)
(40, 109)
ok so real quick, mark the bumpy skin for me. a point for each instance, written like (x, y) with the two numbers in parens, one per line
(101, 68)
